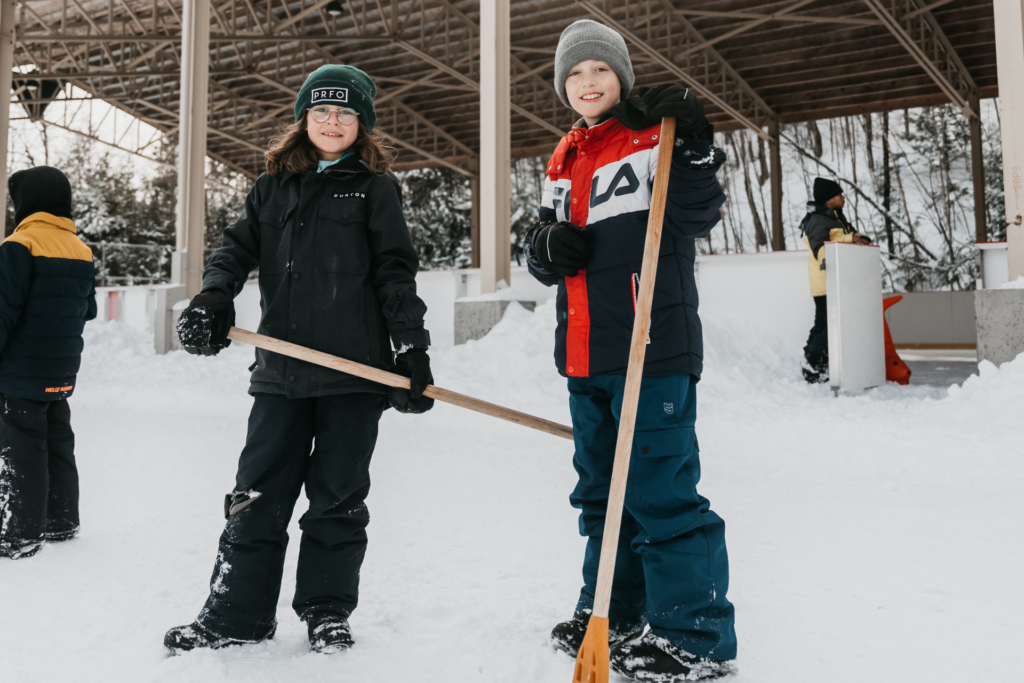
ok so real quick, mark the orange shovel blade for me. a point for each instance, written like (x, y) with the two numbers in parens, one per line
(592, 660)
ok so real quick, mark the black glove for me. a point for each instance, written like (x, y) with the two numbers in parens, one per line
(414, 364)
(674, 100)
(203, 327)
(562, 248)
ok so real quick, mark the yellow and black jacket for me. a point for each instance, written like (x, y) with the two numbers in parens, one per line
(47, 292)
(822, 225)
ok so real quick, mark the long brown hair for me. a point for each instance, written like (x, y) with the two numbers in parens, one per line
(294, 151)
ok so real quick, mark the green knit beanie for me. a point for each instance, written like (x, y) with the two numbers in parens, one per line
(339, 85)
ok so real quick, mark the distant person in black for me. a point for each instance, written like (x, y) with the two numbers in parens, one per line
(47, 293)
(824, 222)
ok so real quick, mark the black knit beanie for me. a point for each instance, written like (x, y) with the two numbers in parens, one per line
(42, 188)
(825, 189)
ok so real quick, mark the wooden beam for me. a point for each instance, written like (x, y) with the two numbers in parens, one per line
(702, 90)
(934, 70)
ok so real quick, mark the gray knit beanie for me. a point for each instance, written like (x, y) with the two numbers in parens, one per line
(586, 39)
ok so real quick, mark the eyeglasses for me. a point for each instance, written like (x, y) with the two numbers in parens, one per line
(346, 117)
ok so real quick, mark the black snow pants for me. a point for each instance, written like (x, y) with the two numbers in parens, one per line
(816, 350)
(38, 476)
(279, 457)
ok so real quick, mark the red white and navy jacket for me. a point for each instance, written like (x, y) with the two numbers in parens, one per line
(601, 178)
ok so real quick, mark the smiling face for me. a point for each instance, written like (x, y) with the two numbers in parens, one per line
(592, 88)
(331, 138)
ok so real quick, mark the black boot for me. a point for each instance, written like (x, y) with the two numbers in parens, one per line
(18, 550)
(568, 636)
(184, 638)
(656, 660)
(56, 533)
(329, 632)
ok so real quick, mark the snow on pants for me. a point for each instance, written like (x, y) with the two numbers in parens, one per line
(672, 570)
(816, 350)
(279, 457)
(38, 476)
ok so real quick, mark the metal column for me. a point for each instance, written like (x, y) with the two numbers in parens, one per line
(977, 171)
(6, 67)
(1009, 16)
(495, 146)
(188, 261)
(775, 177)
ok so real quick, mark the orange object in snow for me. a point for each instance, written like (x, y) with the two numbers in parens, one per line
(895, 369)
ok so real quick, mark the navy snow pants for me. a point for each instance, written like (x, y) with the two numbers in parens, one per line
(672, 570)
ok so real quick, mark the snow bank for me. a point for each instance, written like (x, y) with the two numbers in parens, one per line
(875, 535)
(1013, 284)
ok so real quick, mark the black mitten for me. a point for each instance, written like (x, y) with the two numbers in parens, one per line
(562, 248)
(670, 99)
(632, 112)
(203, 327)
(414, 364)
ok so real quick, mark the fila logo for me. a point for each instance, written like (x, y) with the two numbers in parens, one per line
(329, 95)
(559, 191)
(625, 173)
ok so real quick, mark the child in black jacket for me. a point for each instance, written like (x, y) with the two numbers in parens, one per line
(337, 274)
(47, 293)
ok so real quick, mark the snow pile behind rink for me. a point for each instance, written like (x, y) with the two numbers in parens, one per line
(865, 532)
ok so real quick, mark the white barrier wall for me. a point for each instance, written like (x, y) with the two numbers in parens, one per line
(856, 340)
(769, 290)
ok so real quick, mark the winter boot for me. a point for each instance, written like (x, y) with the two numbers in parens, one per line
(56, 533)
(654, 659)
(184, 638)
(329, 632)
(17, 550)
(568, 636)
(816, 373)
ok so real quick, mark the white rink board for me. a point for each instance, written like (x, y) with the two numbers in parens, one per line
(856, 343)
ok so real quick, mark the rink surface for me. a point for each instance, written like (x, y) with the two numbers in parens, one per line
(872, 538)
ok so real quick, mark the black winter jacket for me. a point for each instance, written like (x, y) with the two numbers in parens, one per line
(601, 178)
(47, 293)
(337, 274)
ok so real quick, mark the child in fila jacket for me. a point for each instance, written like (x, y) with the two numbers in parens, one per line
(672, 569)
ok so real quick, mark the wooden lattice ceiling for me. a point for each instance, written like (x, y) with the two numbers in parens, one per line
(752, 61)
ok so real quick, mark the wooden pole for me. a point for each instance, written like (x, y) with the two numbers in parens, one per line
(6, 67)
(392, 380)
(1009, 15)
(775, 176)
(592, 660)
(189, 254)
(977, 171)
(495, 145)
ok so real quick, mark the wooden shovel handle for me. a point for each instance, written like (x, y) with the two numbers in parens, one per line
(635, 370)
(392, 380)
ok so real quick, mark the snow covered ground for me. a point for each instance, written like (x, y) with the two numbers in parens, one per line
(873, 537)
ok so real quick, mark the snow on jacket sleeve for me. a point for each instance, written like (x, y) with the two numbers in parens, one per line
(15, 280)
(694, 194)
(393, 267)
(229, 266)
